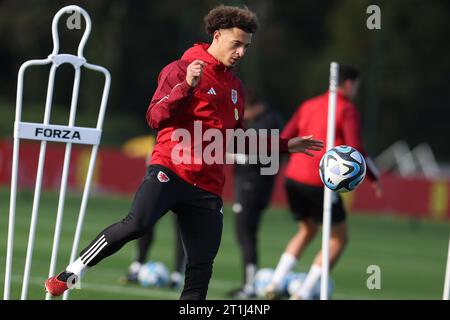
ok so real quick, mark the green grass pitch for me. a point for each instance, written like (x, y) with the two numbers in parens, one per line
(410, 253)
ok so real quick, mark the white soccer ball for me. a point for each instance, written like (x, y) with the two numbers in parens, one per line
(296, 281)
(153, 274)
(342, 169)
(262, 279)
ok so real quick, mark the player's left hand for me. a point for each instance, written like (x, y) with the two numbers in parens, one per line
(303, 144)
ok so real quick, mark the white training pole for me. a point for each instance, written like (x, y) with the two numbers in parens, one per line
(90, 173)
(36, 131)
(65, 174)
(446, 295)
(327, 199)
(12, 199)
(14, 174)
(38, 187)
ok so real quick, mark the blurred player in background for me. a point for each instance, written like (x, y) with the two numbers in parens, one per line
(304, 188)
(252, 194)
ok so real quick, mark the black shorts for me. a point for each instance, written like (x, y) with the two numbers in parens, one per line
(306, 201)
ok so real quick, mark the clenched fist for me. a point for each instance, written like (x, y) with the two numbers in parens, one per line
(194, 72)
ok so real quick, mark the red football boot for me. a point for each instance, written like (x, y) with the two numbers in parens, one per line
(56, 285)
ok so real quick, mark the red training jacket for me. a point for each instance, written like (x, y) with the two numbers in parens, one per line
(217, 101)
(311, 119)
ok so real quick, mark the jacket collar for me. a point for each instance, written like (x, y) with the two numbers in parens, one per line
(200, 51)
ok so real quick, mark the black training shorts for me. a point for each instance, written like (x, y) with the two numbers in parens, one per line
(306, 201)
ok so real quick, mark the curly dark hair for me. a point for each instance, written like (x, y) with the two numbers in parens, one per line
(227, 17)
(347, 72)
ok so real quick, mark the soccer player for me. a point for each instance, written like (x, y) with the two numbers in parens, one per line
(304, 188)
(252, 193)
(198, 88)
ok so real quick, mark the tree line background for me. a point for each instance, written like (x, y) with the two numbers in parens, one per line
(405, 66)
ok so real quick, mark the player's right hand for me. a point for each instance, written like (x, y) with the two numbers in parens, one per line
(194, 72)
(304, 145)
